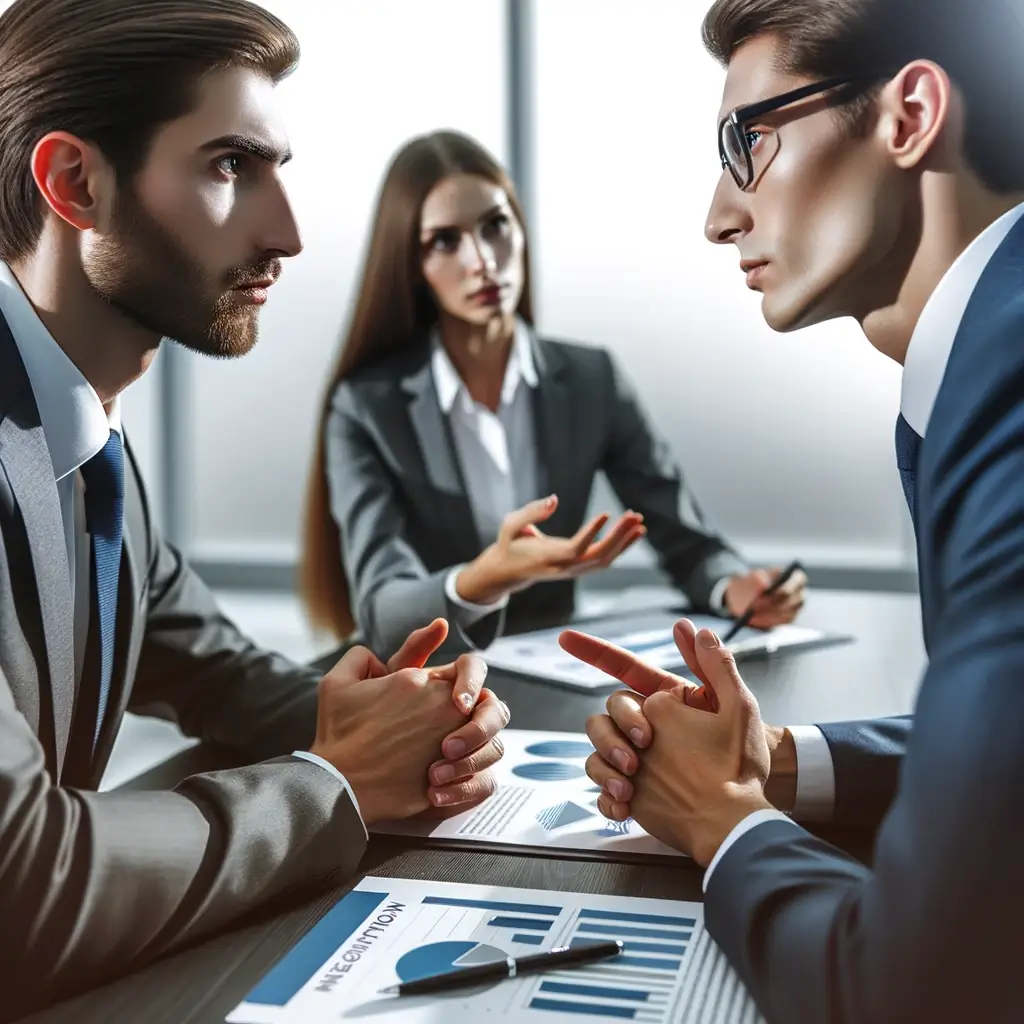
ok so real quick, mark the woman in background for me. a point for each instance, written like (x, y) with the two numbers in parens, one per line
(457, 448)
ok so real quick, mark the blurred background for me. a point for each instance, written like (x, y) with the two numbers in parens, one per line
(605, 113)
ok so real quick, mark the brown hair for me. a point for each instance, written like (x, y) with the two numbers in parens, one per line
(111, 72)
(977, 42)
(393, 310)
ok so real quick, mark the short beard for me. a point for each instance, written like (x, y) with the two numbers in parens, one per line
(142, 271)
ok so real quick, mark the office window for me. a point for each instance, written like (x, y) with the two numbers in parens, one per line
(786, 438)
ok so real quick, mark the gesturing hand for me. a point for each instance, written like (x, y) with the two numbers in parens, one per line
(707, 757)
(385, 726)
(523, 554)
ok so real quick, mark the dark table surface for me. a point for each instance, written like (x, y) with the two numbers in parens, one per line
(876, 675)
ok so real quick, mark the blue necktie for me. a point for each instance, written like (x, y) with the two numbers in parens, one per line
(104, 516)
(908, 442)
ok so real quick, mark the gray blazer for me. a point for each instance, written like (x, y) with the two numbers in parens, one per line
(400, 502)
(92, 884)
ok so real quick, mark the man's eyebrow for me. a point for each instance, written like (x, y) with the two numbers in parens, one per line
(252, 145)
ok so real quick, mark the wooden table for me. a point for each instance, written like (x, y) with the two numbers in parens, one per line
(877, 675)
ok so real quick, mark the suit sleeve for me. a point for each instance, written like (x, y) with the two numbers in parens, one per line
(866, 759)
(93, 884)
(645, 477)
(393, 593)
(933, 932)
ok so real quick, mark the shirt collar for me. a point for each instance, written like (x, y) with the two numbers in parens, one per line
(521, 367)
(937, 327)
(75, 424)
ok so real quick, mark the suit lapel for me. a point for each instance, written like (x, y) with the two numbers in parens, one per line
(29, 470)
(437, 448)
(553, 430)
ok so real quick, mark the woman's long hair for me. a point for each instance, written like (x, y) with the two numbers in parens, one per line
(393, 310)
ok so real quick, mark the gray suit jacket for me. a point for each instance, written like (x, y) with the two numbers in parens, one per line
(400, 502)
(91, 884)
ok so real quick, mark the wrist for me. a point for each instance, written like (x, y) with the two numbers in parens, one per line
(478, 583)
(781, 786)
(741, 802)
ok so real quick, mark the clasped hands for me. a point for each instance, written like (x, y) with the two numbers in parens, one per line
(688, 761)
(410, 739)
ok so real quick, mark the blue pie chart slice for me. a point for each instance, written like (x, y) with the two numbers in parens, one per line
(438, 957)
(548, 771)
(560, 748)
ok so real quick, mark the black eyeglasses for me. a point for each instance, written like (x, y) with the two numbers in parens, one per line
(735, 147)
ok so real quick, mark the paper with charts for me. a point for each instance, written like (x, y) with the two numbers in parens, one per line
(647, 634)
(388, 930)
(544, 800)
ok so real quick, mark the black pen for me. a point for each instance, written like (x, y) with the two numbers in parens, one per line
(745, 618)
(552, 960)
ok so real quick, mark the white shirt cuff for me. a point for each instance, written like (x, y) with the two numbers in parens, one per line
(815, 775)
(327, 766)
(716, 602)
(752, 820)
(467, 613)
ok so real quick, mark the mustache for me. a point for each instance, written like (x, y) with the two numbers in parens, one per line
(244, 277)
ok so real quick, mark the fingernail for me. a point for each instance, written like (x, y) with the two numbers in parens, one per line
(709, 640)
(637, 736)
(445, 773)
(456, 748)
(621, 759)
(440, 798)
(508, 710)
(618, 789)
(466, 700)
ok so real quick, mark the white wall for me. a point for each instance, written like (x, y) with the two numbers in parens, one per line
(372, 75)
(787, 438)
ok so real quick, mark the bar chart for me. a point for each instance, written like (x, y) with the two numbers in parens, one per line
(637, 985)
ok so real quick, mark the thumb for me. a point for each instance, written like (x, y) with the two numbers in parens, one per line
(421, 644)
(718, 668)
(534, 512)
(763, 578)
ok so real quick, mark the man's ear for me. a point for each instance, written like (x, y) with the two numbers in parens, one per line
(917, 107)
(73, 178)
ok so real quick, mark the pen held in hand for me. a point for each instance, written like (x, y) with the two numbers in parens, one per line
(552, 960)
(744, 619)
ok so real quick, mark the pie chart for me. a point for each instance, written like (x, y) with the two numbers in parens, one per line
(438, 957)
(548, 771)
(560, 748)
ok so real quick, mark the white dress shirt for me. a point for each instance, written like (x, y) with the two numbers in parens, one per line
(498, 455)
(923, 371)
(76, 427)
(496, 450)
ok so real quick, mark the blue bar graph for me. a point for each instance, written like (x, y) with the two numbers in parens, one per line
(595, 991)
(653, 947)
(526, 923)
(611, 915)
(633, 933)
(646, 961)
(515, 908)
(591, 1009)
(528, 940)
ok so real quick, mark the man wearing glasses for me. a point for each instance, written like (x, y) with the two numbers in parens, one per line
(873, 168)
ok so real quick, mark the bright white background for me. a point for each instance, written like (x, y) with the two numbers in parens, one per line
(786, 438)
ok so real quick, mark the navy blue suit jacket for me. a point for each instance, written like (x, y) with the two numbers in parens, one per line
(933, 933)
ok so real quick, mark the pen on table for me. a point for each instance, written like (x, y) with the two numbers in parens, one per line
(745, 618)
(498, 970)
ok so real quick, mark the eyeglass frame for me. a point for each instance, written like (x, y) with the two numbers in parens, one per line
(742, 116)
